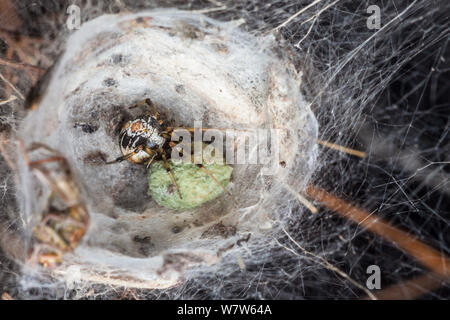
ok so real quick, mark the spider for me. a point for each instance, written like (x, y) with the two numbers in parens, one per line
(148, 138)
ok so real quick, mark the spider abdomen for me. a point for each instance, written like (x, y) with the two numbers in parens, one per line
(139, 135)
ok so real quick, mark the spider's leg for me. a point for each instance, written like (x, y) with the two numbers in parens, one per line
(166, 165)
(150, 105)
(152, 108)
(166, 135)
(216, 181)
(149, 163)
(140, 103)
(168, 131)
(122, 158)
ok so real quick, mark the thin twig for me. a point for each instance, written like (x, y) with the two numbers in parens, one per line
(21, 66)
(295, 15)
(12, 86)
(240, 262)
(207, 10)
(4, 153)
(11, 98)
(315, 17)
(337, 147)
(424, 254)
(302, 199)
(331, 267)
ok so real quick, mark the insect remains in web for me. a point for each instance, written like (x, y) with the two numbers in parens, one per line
(64, 219)
(147, 138)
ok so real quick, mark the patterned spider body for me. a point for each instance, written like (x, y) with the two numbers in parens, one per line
(146, 139)
(143, 137)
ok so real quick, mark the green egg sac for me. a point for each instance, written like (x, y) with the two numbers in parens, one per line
(196, 187)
